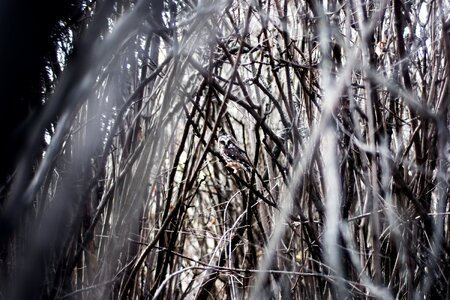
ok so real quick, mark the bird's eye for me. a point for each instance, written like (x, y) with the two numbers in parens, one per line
(222, 142)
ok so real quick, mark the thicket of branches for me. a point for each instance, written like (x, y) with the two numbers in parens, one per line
(119, 190)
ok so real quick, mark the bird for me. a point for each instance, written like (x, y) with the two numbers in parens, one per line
(234, 156)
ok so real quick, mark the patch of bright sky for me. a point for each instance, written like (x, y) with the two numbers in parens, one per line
(64, 47)
(420, 32)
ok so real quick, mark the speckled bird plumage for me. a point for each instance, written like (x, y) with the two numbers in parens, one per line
(234, 156)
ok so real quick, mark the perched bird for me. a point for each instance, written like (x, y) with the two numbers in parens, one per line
(235, 157)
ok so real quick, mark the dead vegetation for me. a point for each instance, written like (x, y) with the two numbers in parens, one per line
(341, 107)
